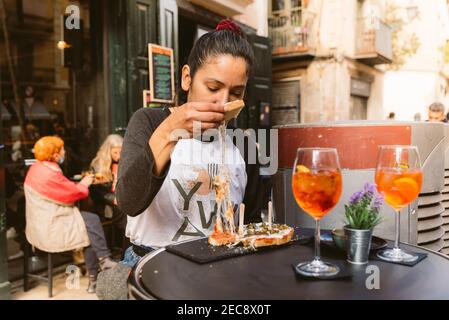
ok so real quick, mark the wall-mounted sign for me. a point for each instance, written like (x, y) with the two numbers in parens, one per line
(162, 76)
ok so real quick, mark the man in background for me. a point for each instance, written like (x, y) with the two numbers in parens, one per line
(436, 113)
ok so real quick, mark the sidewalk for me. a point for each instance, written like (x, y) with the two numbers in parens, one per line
(60, 291)
(38, 289)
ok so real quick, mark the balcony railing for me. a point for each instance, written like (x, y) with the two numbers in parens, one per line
(373, 41)
(290, 32)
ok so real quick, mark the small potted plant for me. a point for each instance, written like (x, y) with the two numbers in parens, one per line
(362, 215)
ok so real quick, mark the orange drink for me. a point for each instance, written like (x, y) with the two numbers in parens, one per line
(316, 185)
(399, 177)
(399, 187)
(317, 193)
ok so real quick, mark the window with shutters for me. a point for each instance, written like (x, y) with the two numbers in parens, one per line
(286, 99)
(358, 109)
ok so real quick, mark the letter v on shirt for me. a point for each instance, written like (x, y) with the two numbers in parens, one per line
(185, 206)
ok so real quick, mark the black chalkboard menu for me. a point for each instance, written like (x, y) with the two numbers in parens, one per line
(162, 82)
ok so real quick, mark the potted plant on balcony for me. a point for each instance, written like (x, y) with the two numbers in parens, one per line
(362, 215)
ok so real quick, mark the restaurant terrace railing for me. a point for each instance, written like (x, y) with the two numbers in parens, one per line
(290, 31)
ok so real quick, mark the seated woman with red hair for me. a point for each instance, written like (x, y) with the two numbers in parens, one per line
(53, 222)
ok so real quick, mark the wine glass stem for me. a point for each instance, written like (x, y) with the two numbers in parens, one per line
(398, 229)
(317, 239)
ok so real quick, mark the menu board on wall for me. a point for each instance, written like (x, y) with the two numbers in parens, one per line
(162, 81)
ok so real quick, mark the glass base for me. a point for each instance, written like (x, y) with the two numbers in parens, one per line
(396, 255)
(317, 268)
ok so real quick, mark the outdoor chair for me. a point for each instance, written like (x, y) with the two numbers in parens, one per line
(27, 274)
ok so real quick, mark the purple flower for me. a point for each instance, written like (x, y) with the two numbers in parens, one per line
(356, 197)
(367, 197)
(378, 202)
(369, 188)
(363, 211)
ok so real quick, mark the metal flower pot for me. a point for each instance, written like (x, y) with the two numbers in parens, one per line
(358, 245)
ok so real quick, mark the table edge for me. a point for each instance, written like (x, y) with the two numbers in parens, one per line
(138, 269)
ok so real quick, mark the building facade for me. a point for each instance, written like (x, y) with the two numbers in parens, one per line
(358, 59)
(419, 75)
(326, 58)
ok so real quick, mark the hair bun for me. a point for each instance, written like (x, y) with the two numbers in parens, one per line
(229, 25)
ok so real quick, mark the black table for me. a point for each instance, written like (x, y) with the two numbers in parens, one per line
(268, 274)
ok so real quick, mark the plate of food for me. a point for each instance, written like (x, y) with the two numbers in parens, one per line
(227, 240)
(256, 237)
(78, 177)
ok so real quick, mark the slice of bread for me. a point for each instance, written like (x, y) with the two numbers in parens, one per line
(234, 108)
(277, 238)
(221, 239)
(266, 241)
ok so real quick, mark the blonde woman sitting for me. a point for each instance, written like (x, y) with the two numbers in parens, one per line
(102, 192)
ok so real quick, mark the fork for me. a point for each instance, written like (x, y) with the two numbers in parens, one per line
(212, 170)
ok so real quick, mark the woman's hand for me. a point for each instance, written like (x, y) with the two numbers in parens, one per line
(208, 115)
(87, 180)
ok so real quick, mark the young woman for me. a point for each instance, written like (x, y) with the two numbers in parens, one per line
(103, 193)
(164, 184)
(53, 222)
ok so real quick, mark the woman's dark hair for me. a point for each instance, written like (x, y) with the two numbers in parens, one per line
(226, 39)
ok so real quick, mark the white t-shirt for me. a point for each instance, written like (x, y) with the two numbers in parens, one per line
(185, 206)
